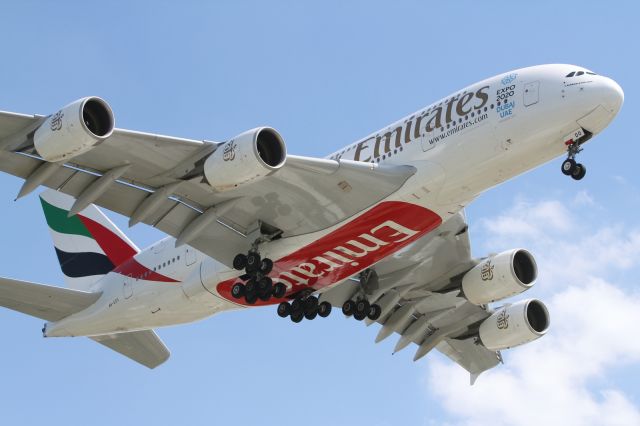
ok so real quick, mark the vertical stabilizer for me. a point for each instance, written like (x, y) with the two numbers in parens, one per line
(88, 244)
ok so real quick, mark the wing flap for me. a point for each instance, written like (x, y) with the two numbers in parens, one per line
(144, 347)
(42, 301)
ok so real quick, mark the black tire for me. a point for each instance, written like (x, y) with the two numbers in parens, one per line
(362, 307)
(568, 166)
(253, 262)
(311, 315)
(251, 298)
(237, 291)
(311, 304)
(284, 309)
(250, 287)
(279, 290)
(579, 172)
(264, 296)
(359, 316)
(266, 266)
(265, 284)
(240, 262)
(349, 307)
(324, 309)
(374, 312)
(297, 316)
(297, 306)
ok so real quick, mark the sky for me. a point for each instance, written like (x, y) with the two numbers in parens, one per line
(325, 74)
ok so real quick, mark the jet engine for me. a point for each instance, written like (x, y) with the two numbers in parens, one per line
(247, 158)
(74, 130)
(514, 325)
(500, 276)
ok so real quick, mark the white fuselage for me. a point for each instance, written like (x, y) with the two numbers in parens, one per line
(460, 146)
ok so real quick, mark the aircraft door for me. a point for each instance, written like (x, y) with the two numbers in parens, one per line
(127, 287)
(531, 93)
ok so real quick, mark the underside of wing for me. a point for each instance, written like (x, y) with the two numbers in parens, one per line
(166, 182)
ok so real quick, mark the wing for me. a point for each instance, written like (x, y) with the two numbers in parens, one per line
(42, 301)
(144, 346)
(157, 180)
(412, 286)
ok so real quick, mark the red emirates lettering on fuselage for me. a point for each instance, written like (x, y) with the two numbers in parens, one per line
(355, 246)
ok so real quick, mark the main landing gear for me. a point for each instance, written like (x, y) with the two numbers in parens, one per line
(569, 166)
(360, 308)
(309, 308)
(257, 283)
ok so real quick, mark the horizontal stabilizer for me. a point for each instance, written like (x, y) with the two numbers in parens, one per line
(144, 347)
(43, 301)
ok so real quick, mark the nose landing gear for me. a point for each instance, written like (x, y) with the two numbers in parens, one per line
(569, 166)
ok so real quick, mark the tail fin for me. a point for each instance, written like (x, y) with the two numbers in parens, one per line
(88, 244)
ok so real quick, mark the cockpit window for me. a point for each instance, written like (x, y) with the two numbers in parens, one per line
(578, 73)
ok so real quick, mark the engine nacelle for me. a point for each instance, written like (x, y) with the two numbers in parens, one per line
(74, 130)
(514, 325)
(500, 276)
(247, 158)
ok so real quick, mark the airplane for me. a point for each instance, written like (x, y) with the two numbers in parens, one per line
(376, 229)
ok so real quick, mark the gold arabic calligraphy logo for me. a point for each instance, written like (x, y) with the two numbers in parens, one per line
(503, 320)
(229, 152)
(486, 271)
(56, 121)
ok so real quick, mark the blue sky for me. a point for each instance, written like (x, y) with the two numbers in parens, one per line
(324, 75)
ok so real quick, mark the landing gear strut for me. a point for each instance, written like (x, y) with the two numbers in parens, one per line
(569, 166)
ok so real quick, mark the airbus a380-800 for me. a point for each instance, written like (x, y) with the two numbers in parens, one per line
(376, 229)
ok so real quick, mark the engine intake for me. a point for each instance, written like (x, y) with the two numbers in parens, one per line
(514, 325)
(500, 276)
(74, 130)
(247, 158)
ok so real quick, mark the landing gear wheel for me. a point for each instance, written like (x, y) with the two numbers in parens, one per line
(568, 166)
(374, 312)
(265, 284)
(251, 298)
(266, 266)
(284, 309)
(297, 316)
(250, 287)
(578, 172)
(324, 309)
(237, 291)
(279, 290)
(311, 315)
(264, 296)
(362, 309)
(253, 262)
(311, 304)
(240, 262)
(349, 307)
(297, 306)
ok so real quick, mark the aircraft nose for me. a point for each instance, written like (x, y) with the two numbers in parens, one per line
(612, 95)
(606, 97)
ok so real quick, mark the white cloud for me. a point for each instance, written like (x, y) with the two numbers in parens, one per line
(563, 378)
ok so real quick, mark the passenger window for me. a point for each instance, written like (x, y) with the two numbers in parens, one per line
(579, 73)
(571, 74)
